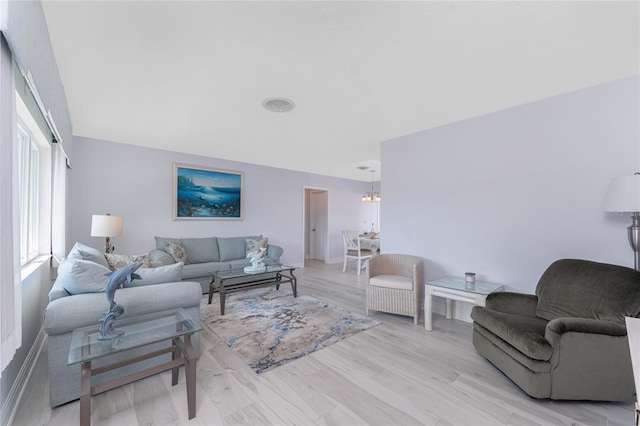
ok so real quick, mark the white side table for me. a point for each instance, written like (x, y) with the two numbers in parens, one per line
(455, 288)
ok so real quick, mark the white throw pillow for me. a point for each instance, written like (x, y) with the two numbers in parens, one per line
(79, 276)
(162, 274)
(81, 251)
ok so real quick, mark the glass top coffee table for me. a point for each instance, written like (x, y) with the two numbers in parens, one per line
(455, 288)
(174, 325)
(234, 280)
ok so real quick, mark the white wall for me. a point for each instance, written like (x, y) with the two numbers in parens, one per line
(135, 182)
(506, 194)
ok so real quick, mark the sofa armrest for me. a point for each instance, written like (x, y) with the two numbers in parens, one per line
(513, 303)
(67, 313)
(274, 252)
(160, 258)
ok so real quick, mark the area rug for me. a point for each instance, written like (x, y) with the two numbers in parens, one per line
(268, 328)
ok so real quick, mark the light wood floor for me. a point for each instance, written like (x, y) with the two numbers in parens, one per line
(393, 374)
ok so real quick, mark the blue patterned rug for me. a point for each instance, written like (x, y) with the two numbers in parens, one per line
(268, 328)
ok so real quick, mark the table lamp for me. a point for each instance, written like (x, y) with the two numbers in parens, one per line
(623, 196)
(106, 226)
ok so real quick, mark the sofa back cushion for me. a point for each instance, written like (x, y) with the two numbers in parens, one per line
(201, 250)
(234, 248)
(585, 289)
(198, 250)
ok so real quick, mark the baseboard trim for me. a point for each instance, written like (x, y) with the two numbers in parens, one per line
(16, 393)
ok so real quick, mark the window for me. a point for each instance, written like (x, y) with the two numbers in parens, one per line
(28, 173)
(34, 171)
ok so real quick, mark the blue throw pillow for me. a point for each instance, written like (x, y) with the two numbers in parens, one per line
(79, 276)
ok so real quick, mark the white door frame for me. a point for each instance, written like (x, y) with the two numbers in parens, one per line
(304, 222)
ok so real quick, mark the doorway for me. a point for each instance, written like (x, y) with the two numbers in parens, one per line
(316, 222)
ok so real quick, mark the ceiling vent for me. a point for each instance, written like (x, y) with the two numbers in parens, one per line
(278, 104)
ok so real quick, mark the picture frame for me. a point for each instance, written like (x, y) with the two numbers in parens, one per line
(206, 193)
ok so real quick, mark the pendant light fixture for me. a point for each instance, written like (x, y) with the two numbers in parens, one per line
(371, 197)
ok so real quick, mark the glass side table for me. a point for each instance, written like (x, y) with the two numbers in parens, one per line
(174, 325)
(455, 288)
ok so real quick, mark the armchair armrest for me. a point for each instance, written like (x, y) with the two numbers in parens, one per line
(559, 326)
(160, 258)
(513, 303)
(590, 360)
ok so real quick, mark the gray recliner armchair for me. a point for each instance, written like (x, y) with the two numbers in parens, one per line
(569, 340)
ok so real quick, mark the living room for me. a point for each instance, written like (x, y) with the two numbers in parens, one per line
(503, 193)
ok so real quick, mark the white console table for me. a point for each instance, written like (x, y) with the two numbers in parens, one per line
(455, 288)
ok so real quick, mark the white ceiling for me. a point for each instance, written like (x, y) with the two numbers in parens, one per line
(191, 76)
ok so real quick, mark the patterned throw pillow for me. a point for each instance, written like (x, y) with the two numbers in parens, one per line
(256, 245)
(177, 251)
(117, 261)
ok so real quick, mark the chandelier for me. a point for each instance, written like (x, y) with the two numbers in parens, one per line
(371, 197)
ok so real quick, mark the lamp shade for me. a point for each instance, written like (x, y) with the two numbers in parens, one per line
(106, 225)
(623, 194)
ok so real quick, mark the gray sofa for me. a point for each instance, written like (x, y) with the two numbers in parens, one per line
(210, 254)
(569, 340)
(77, 299)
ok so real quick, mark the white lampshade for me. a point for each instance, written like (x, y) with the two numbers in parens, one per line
(106, 225)
(623, 194)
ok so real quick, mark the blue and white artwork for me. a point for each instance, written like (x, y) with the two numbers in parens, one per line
(205, 193)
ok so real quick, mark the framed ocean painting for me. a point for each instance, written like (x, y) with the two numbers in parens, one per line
(206, 193)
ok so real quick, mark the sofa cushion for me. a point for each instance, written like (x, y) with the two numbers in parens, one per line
(234, 248)
(526, 334)
(200, 270)
(585, 289)
(84, 252)
(117, 261)
(200, 250)
(509, 359)
(79, 276)
(162, 274)
(397, 282)
(57, 291)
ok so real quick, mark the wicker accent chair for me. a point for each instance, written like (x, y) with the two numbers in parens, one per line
(395, 284)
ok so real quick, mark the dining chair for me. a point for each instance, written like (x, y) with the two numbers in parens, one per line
(352, 250)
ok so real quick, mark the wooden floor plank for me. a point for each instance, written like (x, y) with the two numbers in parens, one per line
(393, 374)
